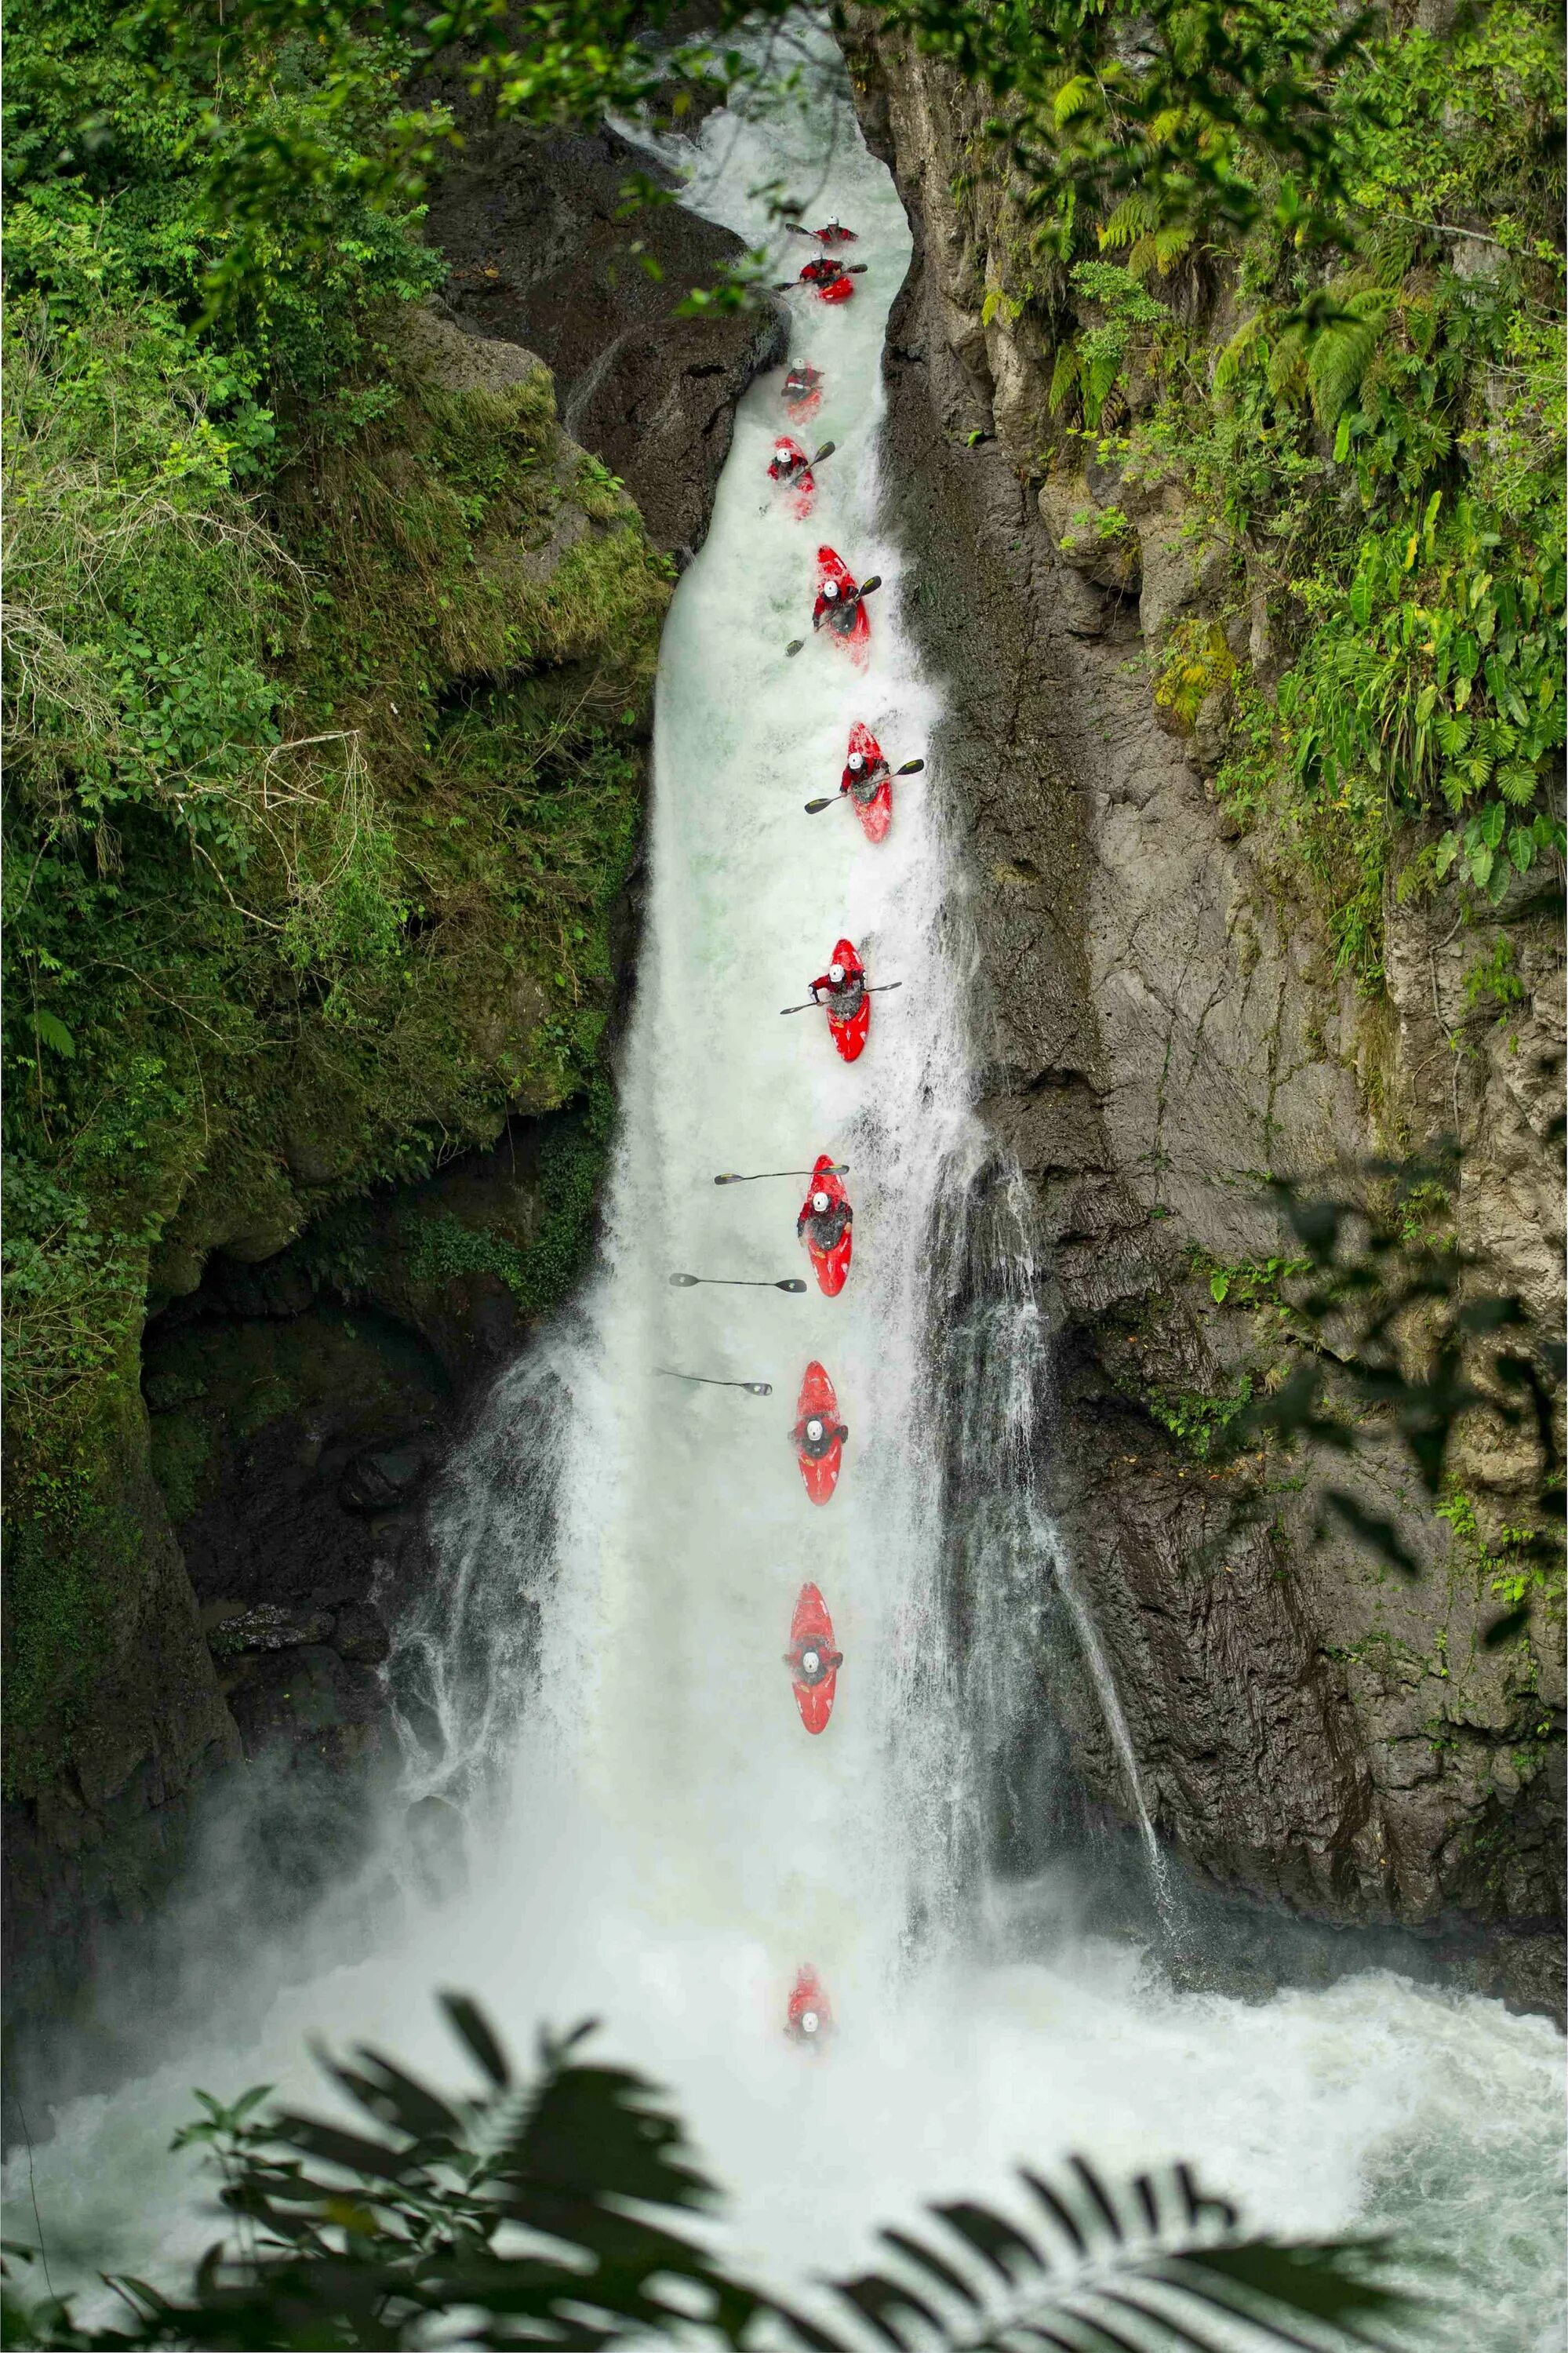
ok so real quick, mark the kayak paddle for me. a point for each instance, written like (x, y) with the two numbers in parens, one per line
(865, 588)
(787, 285)
(839, 1168)
(910, 768)
(752, 1389)
(880, 989)
(737, 1282)
(825, 451)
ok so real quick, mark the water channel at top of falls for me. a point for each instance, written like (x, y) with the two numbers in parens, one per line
(653, 1839)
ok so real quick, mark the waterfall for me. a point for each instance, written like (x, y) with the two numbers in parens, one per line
(593, 1677)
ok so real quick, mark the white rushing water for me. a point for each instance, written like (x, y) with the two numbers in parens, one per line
(651, 1836)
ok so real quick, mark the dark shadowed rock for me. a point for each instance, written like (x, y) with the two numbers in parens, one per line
(531, 223)
(312, 1699)
(359, 1633)
(1164, 1022)
(383, 1481)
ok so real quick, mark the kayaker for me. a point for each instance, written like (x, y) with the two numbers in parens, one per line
(835, 232)
(836, 602)
(789, 465)
(811, 1665)
(816, 1436)
(863, 779)
(823, 272)
(802, 382)
(844, 985)
(823, 1221)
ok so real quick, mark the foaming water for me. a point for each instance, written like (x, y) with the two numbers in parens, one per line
(594, 1676)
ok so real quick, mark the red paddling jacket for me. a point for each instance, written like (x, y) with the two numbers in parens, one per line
(845, 998)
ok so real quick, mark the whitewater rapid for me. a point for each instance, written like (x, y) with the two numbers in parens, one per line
(596, 1676)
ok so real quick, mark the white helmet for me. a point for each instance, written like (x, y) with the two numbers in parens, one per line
(856, 761)
(822, 1203)
(830, 589)
(810, 1662)
(813, 1430)
(836, 974)
(781, 452)
(810, 2022)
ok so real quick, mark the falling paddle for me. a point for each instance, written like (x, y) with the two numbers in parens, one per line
(910, 768)
(838, 1168)
(865, 588)
(737, 1282)
(880, 989)
(752, 1389)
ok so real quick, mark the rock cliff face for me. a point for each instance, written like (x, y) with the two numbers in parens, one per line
(315, 1336)
(1165, 1027)
(543, 253)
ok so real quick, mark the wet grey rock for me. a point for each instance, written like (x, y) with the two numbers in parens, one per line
(1165, 1023)
(383, 1481)
(437, 1843)
(268, 1627)
(309, 1699)
(359, 1633)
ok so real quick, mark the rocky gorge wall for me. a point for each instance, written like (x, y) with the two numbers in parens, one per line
(314, 1329)
(1166, 1027)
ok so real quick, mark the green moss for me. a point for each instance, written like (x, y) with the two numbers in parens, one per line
(76, 1547)
(181, 1455)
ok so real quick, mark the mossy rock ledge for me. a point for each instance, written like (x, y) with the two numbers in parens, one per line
(342, 1229)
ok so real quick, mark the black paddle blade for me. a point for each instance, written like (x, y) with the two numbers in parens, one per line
(867, 585)
(825, 451)
(794, 1284)
(857, 269)
(757, 1388)
(793, 647)
(910, 768)
(685, 1281)
(812, 808)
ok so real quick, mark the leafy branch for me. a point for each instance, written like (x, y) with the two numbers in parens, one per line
(553, 2215)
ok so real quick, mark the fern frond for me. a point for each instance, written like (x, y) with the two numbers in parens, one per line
(1063, 375)
(1229, 365)
(1137, 215)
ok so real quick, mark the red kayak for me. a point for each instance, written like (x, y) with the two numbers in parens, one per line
(812, 1662)
(853, 633)
(829, 281)
(850, 1036)
(791, 470)
(832, 1266)
(802, 393)
(875, 815)
(818, 1402)
(810, 2016)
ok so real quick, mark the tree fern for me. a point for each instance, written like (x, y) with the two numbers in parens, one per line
(554, 2217)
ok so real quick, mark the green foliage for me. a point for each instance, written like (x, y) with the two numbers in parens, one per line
(322, 677)
(1196, 659)
(1382, 437)
(1197, 1419)
(558, 2215)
